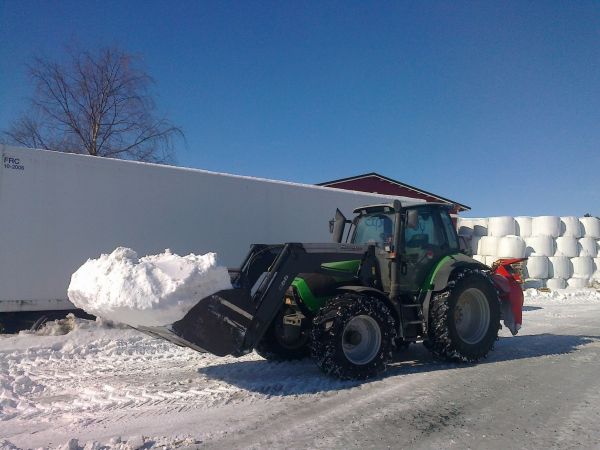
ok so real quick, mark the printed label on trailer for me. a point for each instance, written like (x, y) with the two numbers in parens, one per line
(13, 163)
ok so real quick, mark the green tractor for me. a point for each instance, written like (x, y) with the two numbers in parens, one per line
(399, 277)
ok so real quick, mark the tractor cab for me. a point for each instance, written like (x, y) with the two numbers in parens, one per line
(414, 237)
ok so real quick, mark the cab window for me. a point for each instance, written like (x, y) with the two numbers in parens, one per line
(450, 232)
(424, 233)
(375, 229)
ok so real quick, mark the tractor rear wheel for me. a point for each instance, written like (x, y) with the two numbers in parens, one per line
(464, 320)
(353, 336)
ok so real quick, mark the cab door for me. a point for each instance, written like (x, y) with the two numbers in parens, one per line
(424, 245)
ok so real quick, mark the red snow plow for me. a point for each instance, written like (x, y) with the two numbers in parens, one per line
(507, 276)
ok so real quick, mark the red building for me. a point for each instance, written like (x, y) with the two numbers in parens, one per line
(373, 182)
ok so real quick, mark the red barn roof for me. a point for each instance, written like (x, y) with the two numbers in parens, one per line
(374, 182)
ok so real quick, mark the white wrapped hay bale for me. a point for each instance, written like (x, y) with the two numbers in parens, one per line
(578, 283)
(465, 231)
(475, 244)
(534, 283)
(537, 267)
(523, 226)
(511, 247)
(588, 247)
(488, 246)
(566, 246)
(479, 258)
(591, 227)
(480, 227)
(556, 283)
(546, 226)
(596, 263)
(501, 226)
(570, 226)
(560, 267)
(583, 267)
(464, 227)
(539, 246)
(490, 260)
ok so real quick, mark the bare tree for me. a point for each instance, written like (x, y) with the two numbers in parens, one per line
(97, 103)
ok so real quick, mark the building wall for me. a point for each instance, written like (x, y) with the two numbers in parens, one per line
(57, 210)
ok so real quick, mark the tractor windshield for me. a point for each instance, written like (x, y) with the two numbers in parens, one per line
(375, 229)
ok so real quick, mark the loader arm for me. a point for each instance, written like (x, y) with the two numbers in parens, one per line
(232, 321)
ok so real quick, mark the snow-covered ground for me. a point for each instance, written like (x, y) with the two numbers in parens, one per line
(99, 386)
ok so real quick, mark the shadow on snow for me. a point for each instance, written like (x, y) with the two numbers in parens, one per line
(303, 377)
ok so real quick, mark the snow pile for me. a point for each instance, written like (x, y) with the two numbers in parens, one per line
(562, 296)
(152, 290)
(563, 249)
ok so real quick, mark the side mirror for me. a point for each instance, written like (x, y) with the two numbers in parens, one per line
(337, 225)
(412, 218)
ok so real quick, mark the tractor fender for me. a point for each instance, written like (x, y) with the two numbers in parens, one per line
(442, 273)
(375, 293)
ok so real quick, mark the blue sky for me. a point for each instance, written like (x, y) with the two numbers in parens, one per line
(493, 104)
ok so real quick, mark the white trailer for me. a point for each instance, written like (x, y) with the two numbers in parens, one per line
(58, 209)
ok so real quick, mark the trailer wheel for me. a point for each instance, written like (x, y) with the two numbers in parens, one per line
(353, 336)
(464, 320)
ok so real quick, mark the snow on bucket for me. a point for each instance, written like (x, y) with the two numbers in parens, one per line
(511, 247)
(570, 226)
(523, 226)
(151, 291)
(501, 226)
(591, 227)
(567, 246)
(583, 267)
(537, 267)
(588, 247)
(560, 267)
(546, 226)
(539, 246)
(556, 283)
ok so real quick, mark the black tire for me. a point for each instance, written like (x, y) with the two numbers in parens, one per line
(273, 348)
(332, 349)
(463, 330)
(39, 323)
(401, 344)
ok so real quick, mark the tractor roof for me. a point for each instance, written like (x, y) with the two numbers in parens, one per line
(389, 207)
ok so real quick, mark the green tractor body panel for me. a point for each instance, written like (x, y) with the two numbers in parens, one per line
(312, 302)
(428, 283)
(340, 272)
(437, 280)
(343, 266)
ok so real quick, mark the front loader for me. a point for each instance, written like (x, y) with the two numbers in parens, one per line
(398, 277)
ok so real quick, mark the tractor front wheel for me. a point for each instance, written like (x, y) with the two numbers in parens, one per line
(353, 336)
(464, 320)
(277, 345)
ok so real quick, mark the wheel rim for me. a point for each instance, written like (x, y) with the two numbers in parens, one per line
(361, 339)
(472, 316)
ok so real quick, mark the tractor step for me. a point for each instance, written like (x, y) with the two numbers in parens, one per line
(413, 322)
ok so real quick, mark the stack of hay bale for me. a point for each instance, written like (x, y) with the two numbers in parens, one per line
(562, 252)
